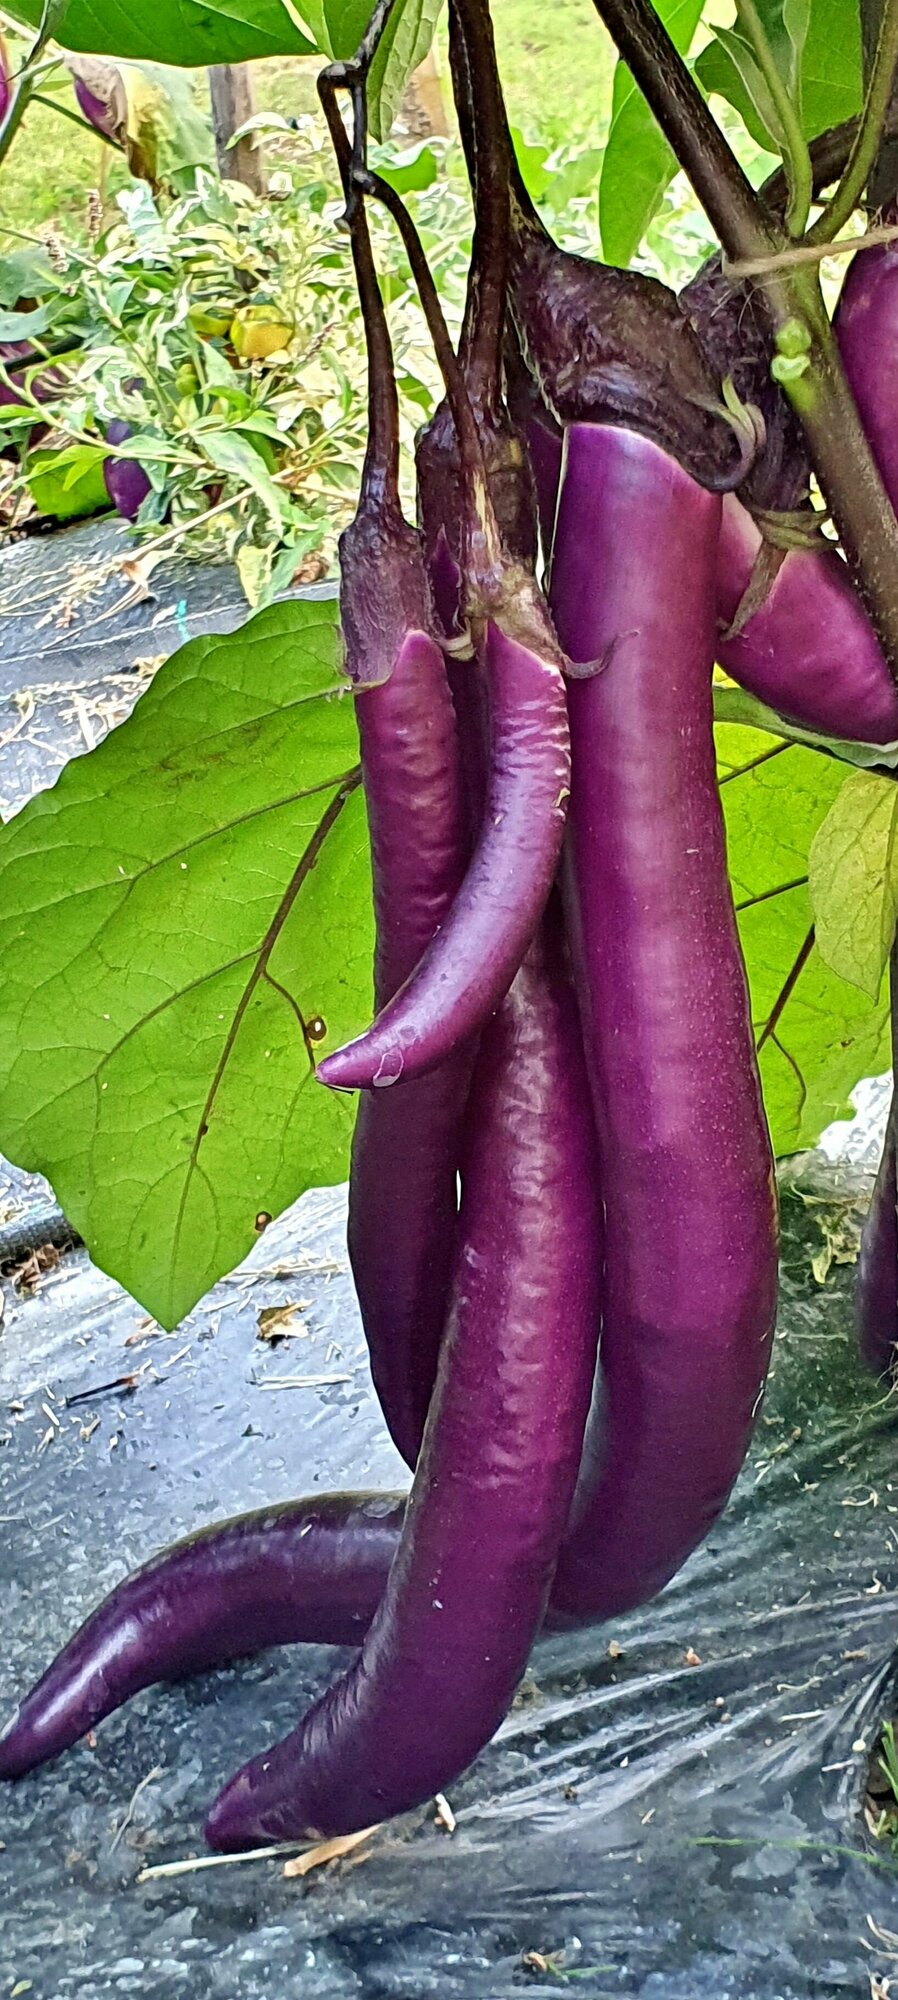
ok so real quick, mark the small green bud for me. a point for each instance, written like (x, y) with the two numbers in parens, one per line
(792, 340)
(789, 368)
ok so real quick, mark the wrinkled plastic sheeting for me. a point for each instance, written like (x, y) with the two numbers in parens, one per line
(666, 1811)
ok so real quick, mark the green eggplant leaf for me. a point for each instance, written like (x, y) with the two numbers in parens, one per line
(816, 1033)
(729, 66)
(187, 33)
(338, 27)
(69, 483)
(854, 879)
(639, 164)
(185, 925)
(817, 47)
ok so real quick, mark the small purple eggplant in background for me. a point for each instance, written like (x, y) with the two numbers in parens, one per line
(126, 481)
(5, 81)
(102, 97)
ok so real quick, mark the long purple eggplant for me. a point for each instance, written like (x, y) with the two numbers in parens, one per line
(687, 1171)
(496, 1474)
(405, 1155)
(867, 329)
(876, 1278)
(866, 323)
(471, 963)
(406, 1150)
(406, 1145)
(311, 1570)
(469, 966)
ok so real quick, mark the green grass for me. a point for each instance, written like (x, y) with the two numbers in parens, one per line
(556, 61)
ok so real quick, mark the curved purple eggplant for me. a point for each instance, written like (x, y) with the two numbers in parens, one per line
(867, 329)
(471, 963)
(497, 1468)
(876, 1278)
(809, 650)
(311, 1570)
(405, 1152)
(687, 1171)
(403, 1172)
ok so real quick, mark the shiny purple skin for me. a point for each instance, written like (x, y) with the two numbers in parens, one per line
(497, 1469)
(124, 478)
(312, 1570)
(866, 324)
(867, 329)
(809, 651)
(469, 967)
(406, 1146)
(876, 1278)
(690, 1283)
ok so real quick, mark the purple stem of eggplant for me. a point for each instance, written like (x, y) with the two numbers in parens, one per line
(687, 1171)
(494, 1482)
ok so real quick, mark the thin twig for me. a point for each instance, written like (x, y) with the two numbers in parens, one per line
(809, 253)
(150, 1779)
(862, 158)
(165, 1870)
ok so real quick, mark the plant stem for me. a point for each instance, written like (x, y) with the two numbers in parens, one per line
(818, 390)
(380, 473)
(51, 13)
(739, 217)
(869, 133)
(829, 155)
(483, 546)
(353, 76)
(15, 113)
(795, 152)
(484, 324)
(65, 111)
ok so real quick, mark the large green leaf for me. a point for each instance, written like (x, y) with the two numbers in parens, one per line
(638, 163)
(68, 483)
(827, 81)
(192, 33)
(817, 1035)
(189, 33)
(853, 879)
(184, 924)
